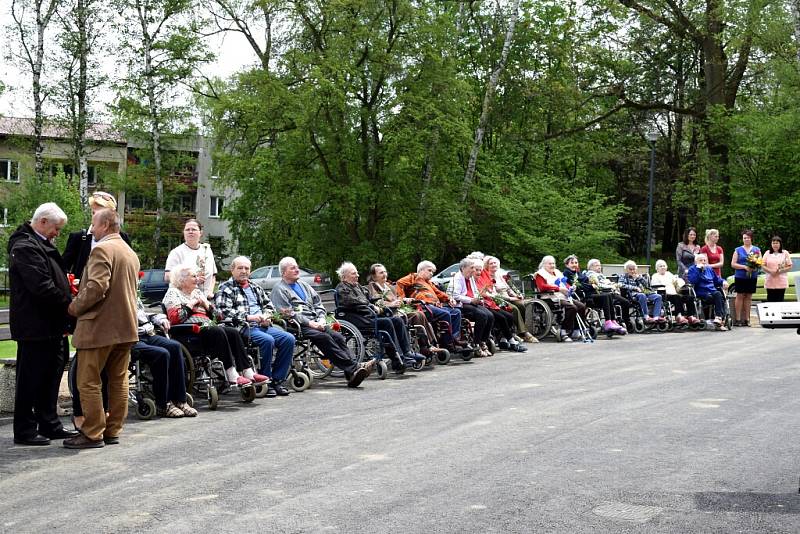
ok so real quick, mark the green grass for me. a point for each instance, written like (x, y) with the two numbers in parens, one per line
(8, 349)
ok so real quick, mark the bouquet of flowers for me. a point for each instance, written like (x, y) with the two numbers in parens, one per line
(332, 323)
(500, 301)
(755, 262)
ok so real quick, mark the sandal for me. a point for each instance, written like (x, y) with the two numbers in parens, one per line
(187, 410)
(170, 411)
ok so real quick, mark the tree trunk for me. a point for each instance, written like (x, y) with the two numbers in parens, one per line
(487, 102)
(796, 16)
(81, 18)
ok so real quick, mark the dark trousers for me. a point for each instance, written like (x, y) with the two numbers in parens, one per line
(483, 319)
(625, 307)
(225, 343)
(333, 347)
(718, 300)
(165, 359)
(40, 366)
(504, 321)
(602, 301)
(775, 295)
(684, 304)
(396, 327)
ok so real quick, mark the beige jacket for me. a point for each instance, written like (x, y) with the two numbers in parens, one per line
(106, 303)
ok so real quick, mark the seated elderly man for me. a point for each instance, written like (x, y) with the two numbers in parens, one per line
(418, 286)
(355, 306)
(639, 288)
(243, 303)
(708, 286)
(294, 297)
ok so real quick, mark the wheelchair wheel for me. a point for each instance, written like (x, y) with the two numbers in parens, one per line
(299, 381)
(261, 391)
(728, 321)
(382, 369)
(418, 365)
(443, 357)
(248, 394)
(491, 345)
(538, 318)
(355, 341)
(188, 368)
(213, 398)
(145, 408)
(662, 327)
(189, 400)
(306, 371)
(638, 325)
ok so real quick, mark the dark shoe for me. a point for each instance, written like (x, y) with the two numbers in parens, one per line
(519, 348)
(363, 372)
(111, 440)
(280, 390)
(33, 440)
(503, 345)
(399, 367)
(62, 433)
(82, 442)
(271, 391)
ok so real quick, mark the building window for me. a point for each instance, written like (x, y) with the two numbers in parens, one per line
(135, 202)
(9, 170)
(215, 212)
(184, 203)
(4, 213)
(91, 172)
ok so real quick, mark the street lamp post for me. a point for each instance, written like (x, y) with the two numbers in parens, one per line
(652, 137)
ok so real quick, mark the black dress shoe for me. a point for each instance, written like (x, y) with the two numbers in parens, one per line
(271, 391)
(34, 440)
(62, 433)
(111, 440)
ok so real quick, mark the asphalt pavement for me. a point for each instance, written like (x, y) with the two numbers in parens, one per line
(677, 432)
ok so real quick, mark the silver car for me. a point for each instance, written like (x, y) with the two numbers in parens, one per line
(268, 276)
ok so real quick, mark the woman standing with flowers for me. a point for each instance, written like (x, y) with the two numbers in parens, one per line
(199, 255)
(777, 263)
(746, 261)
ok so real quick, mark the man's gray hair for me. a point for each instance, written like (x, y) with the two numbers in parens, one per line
(697, 257)
(591, 263)
(51, 212)
(179, 275)
(285, 263)
(424, 264)
(239, 259)
(629, 263)
(345, 269)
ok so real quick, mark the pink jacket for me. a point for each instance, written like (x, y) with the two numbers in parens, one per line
(773, 261)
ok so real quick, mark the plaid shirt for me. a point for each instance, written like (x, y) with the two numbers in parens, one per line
(232, 303)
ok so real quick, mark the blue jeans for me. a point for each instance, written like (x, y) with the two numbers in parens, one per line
(451, 315)
(643, 299)
(267, 338)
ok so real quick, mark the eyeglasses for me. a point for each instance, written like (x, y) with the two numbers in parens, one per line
(100, 194)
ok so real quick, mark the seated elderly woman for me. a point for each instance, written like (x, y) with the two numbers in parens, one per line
(186, 304)
(600, 284)
(464, 290)
(503, 317)
(355, 306)
(550, 282)
(708, 286)
(638, 288)
(439, 305)
(684, 304)
(385, 297)
(593, 298)
(502, 289)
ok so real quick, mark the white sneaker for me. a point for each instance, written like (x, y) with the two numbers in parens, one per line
(564, 336)
(577, 336)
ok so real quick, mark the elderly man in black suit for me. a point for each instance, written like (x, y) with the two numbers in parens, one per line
(40, 295)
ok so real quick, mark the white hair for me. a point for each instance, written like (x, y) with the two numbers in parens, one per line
(546, 259)
(285, 263)
(487, 259)
(240, 259)
(698, 256)
(179, 275)
(660, 263)
(591, 263)
(345, 269)
(51, 212)
(466, 262)
(629, 263)
(477, 255)
(424, 264)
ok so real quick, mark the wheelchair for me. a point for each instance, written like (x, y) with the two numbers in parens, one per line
(446, 340)
(141, 399)
(705, 310)
(543, 316)
(209, 373)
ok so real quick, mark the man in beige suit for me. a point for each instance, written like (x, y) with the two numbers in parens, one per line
(106, 310)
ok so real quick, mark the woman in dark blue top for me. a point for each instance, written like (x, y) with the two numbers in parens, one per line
(746, 278)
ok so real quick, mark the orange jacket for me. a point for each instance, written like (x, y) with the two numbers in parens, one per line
(412, 286)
